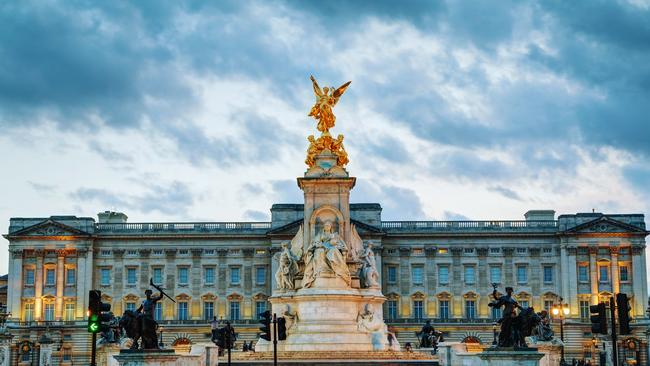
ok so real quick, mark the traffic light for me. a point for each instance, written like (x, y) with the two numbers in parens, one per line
(282, 328)
(623, 314)
(99, 314)
(599, 320)
(265, 319)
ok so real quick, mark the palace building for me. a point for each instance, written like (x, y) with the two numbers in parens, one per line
(438, 270)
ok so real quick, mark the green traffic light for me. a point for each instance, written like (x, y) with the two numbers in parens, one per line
(93, 327)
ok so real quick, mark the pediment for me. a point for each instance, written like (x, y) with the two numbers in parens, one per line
(604, 224)
(50, 227)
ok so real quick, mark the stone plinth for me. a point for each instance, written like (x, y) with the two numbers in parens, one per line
(510, 357)
(162, 357)
(552, 352)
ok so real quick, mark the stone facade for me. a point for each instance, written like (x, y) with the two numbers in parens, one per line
(439, 270)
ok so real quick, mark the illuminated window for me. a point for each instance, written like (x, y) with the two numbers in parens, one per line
(584, 309)
(443, 251)
(69, 311)
(418, 251)
(49, 312)
(28, 312)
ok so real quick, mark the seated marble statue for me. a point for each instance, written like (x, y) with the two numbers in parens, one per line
(368, 272)
(326, 256)
(287, 269)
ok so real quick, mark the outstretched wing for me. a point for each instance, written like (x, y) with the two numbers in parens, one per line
(317, 89)
(296, 244)
(341, 89)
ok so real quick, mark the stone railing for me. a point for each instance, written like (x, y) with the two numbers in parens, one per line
(143, 228)
(470, 226)
(439, 321)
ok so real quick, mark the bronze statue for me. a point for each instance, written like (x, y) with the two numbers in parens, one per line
(140, 324)
(509, 304)
(428, 336)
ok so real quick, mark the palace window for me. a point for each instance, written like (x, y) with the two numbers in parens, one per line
(417, 251)
(130, 276)
(418, 308)
(521, 250)
(183, 252)
(158, 311)
(105, 276)
(443, 309)
(157, 252)
(495, 274)
(523, 304)
(157, 276)
(443, 275)
(208, 275)
(260, 275)
(132, 253)
(584, 309)
(208, 252)
(69, 311)
(548, 305)
(130, 306)
(496, 313)
(234, 275)
(468, 250)
(70, 277)
(495, 250)
(623, 273)
(583, 273)
(392, 309)
(29, 277)
(443, 251)
(260, 307)
(182, 310)
(208, 310)
(183, 275)
(470, 275)
(234, 310)
(105, 253)
(417, 274)
(392, 274)
(603, 271)
(522, 274)
(50, 277)
(49, 312)
(547, 250)
(548, 274)
(28, 312)
(470, 309)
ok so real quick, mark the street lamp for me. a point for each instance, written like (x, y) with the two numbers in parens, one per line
(161, 344)
(494, 334)
(561, 310)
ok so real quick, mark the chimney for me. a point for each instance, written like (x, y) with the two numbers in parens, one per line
(111, 217)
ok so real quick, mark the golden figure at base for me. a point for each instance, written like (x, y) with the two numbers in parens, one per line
(326, 99)
(316, 146)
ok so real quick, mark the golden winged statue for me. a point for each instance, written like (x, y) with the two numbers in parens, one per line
(326, 99)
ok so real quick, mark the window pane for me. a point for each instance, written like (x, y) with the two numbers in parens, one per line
(604, 274)
(470, 309)
(71, 276)
(522, 275)
(29, 312)
(623, 274)
(417, 309)
(392, 309)
(584, 309)
(392, 274)
(495, 274)
(583, 274)
(260, 275)
(157, 276)
(183, 275)
(444, 309)
(417, 274)
(469, 275)
(182, 310)
(443, 275)
(130, 276)
(29, 277)
(106, 276)
(208, 310)
(548, 274)
(49, 312)
(69, 311)
(49, 277)
(260, 307)
(234, 275)
(209, 275)
(130, 306)
(158, 311)
(234, 310)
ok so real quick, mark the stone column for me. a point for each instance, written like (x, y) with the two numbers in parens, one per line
(117, 282)
(15, 283)
(273, 255)
(572, 277)
(170, 282)
(247, 303)
(5, 349)
(431, 281)
(456, 283)
(196, 281)
(223, 283)
(593, 271)
(60, 278)
(88, 277)
(508, 269)
(616, 285)
(404, 281)
(38, 286)
(639, 279)
(81, 282)
(483, 286)
(564, 271)
(535, 278)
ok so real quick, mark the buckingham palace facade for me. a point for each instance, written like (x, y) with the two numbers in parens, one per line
(438, 270)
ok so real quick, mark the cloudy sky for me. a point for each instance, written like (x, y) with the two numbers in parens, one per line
(190, 111)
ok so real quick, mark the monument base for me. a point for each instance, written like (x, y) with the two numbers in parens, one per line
(510, 356)
(162, 357)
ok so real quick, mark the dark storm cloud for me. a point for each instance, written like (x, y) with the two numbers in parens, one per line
(173, 199)
(506, 192)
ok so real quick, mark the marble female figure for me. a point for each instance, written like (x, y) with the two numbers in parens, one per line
(326, 256)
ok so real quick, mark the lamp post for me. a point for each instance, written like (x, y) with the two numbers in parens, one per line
(494, 335)
(161, 344)
(560, 310)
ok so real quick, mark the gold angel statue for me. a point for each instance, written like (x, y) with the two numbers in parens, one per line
(326, 99)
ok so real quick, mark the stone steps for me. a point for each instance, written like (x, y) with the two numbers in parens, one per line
(330, 355)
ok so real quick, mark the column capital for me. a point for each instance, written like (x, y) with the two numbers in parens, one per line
(637, 249)
(248, 252)
(404, 251)
(482, 252)
(222, 252)
(16, 253)
(507, 251)
(456, 251)
(572, 250)
(613, 251)
(593, 250)
(145, 252)
(196, 252)
(170, 252)
(534, 251)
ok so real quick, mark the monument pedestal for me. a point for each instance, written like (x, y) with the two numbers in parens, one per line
(510, 357)
(163, 357)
